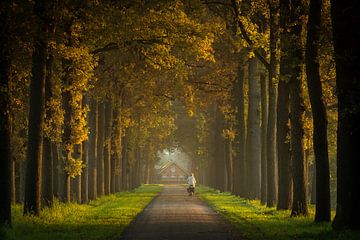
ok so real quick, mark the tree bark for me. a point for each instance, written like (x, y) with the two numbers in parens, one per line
(283, 131)
(345, 19)
(253, 138)
(264, 118)
(58, 170)
(93, 120)
(313, 186)
(5, 123)
(116, 147)
(13, 181)
(107, 147)
(48, 164)
(300, 199)
(271, 127)
(85, 173)
(239, 162)
(219, 152)
(124, 164)
(66, 138)
(36, 113)
(283, 112)
(85, 159)
(322, 212)
(100, 150)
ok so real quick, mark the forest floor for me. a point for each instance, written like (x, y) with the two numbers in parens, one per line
(256, 221)
(104, 218)
(174, 215)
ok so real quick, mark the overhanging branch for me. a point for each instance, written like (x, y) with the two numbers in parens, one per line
(246, 36)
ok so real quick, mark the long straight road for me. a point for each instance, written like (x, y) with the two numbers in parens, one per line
(174, 215)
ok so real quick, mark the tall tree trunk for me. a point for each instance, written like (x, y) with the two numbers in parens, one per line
(264, 118)
(322, 212)
(85, 173)
(345, 21)
(78, 189)
(283, 130)
(100, 150)
(48, 168)
(253, 140)
(66, 138)
(313, 186)
(271, 127)
(58, 170)
(239, 163)
(124, 163)
(115, 146)
(283, 111)
(67, 188)
(5, 122)
(230, 165)
(48, 165)
(36, 112)
(107, 147)
(13, 181)
(300, 202)
(85, 159)
(93, 122)
(219, 152)
(78, 153)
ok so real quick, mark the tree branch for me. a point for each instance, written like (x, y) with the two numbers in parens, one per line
(109, 47)
(246, 36)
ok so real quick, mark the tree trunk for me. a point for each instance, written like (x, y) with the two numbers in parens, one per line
(100, 150)
(107, 147)
(253, 139)
(115, 147)
(283, 111)
(283, 130)
(271, 127)
(219, 152)
(322, 212)
(239, 163)
(5, 125)
(67, 188)
(345, 21)
(48, 180)
(313, 186)
(78, 153)
(58, 171)
(124, 163)
(36, 113)
(93, 123)
(78, 189)
(13, 181)
(66, 139)
(300, 202)
(264, 118)
(85, 173)
(85, 159)
(48, 165)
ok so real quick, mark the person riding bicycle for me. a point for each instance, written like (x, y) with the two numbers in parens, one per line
(191, 181)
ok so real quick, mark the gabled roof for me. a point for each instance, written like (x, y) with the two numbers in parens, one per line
(169, 164)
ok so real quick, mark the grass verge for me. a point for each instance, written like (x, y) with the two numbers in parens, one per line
(104, 218)
(255, 221)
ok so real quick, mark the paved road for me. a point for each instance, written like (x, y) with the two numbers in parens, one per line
(174, 215)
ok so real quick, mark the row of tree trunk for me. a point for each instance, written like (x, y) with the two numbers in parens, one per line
(272, 168)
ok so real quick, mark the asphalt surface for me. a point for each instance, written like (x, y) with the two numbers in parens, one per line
(174, 215)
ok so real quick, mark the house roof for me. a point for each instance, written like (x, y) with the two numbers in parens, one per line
(168, 165)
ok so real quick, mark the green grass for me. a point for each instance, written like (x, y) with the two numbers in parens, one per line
(104, 218)
(255, 221)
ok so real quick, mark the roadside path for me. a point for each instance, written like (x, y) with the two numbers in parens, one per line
(174, 215)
